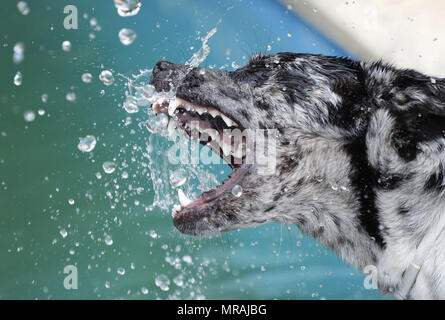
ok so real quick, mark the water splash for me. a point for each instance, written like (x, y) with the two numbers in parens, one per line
(166, 177)
(201, 55)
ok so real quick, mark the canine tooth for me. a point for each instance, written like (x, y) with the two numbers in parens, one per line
(228, 121)
(183, 198)
(172, 106)
(214, 113)
(201, 110)
(213, 134)
(176, 208)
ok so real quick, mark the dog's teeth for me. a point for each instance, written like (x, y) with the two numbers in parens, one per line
(172, 106)
(228, 121)
(171, 127)
(213, 134)
(183, 198)
(176, 208)
(214, 113)
(201, 110)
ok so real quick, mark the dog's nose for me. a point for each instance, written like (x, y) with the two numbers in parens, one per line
(166, 74)
(163, 65)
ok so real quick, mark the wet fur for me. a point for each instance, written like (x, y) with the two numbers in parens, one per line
(360, 156)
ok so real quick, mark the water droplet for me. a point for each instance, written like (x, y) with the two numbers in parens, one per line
(63, 233)
(93, 22)
(178, 177)
(144, 290)
(19, 50)
(153, 234)
(108, 240)
(70, 96)
(163, 282)
(87, 144)
(29, 116)
(187, 259)
(107, 284)
(18, 78)
(127, 36)
(66, 46)
(127, 8)
(109, 166)
(179, 280)
(41, 112)
(71, 201)
(23, 7)
(237, 190)
(87, 77)
(44, 98)
(106, 77)
(131, 105)
(121, 271)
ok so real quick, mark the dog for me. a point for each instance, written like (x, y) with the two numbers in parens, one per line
(360, 159)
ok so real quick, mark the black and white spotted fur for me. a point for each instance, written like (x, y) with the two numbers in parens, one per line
(360, 157)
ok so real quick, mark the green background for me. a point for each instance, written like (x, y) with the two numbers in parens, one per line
(41, 167)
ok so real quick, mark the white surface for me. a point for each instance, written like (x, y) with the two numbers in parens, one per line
(405, 33)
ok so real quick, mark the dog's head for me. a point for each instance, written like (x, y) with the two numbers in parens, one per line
(283, 100)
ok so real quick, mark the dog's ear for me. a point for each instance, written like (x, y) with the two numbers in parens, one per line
(418, 104)
(348, 82)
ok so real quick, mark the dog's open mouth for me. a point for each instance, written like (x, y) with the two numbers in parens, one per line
(220, 133)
